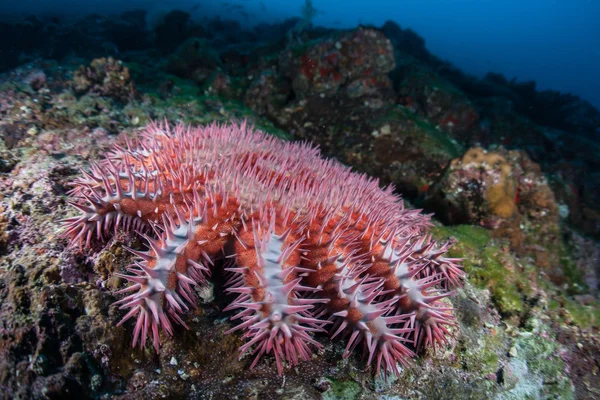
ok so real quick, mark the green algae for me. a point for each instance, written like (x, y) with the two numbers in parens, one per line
(510, 284)
(470, 235)
(535, 368)
(489, 267)
(433, 138)
(302, 49)
(482, 354)
(503, 283)
(584, 316)
(342, 390)
(569, 311)
(536, 371)
(573, 275)
(190, 104)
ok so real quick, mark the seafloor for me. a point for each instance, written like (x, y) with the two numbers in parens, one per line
(512, 173)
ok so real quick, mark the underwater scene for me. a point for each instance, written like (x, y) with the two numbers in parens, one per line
(303, 199)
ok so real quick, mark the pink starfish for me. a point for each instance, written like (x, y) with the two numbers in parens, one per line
(313, 244)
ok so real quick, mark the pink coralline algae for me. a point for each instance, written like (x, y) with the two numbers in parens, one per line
(308, 245)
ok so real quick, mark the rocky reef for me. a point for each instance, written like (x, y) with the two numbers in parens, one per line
(517, 198)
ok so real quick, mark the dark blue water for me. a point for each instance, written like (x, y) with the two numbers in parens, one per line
(554, 42)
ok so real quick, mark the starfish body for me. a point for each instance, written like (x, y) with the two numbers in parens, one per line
(311, 246)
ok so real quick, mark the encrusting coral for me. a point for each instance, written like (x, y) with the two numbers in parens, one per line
(307, 244)
(500, 193)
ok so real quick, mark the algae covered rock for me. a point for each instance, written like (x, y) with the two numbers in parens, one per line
(105, 77)
(433, 97)
(194, 59)
(477, 188)
(352, 61)
(506, 192)
(267, 93)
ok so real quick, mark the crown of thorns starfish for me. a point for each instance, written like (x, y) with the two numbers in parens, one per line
(313, 246)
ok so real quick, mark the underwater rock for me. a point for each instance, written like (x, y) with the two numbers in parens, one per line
(354, 62)
(128, 30)
(174, 28)
(549, 108)
(433, 97)
(569, 160)
(376, 137)
(267, 93)
(105, 77)
(506, 192)
(219, 84)
(36, 79)
(477, 188)
(406, 41)
(194, 59)
(567, 112)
